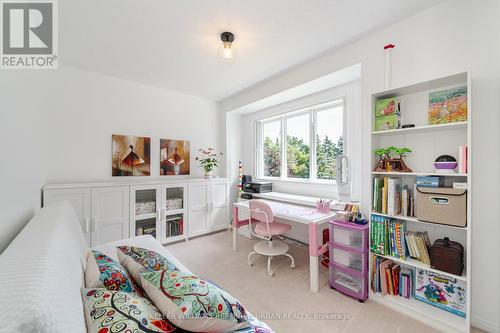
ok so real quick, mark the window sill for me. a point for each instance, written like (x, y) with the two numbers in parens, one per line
(298, 181)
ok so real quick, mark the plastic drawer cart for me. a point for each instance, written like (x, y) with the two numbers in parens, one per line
(349, 259)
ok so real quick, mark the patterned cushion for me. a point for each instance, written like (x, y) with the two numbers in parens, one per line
(192, 303)
(104, 272)
(114, 311)
(138, 260)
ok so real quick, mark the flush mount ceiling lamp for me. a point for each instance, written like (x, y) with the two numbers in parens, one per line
(227, 51)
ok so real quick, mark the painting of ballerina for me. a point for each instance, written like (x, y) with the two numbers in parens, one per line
(131, 155)
(448, 106)
(174, 157)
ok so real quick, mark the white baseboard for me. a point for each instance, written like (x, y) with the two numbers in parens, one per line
(485, 325)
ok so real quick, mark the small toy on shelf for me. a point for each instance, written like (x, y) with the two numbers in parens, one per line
(446, 164)
(388, 163)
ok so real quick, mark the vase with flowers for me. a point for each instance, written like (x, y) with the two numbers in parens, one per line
(209, 160)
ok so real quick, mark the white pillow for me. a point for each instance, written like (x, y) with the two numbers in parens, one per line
(138, 260)
(193, 304)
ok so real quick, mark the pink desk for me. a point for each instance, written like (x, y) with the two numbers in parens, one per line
(299, 214)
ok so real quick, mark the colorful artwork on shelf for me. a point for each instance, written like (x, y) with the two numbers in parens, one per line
(174, 157)
(131, 155)
(448, 106)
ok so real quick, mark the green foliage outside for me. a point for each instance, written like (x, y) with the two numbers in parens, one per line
(326, 152)
(298, 157)
(272, 157)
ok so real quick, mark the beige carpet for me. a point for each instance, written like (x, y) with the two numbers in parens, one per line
(284, 301)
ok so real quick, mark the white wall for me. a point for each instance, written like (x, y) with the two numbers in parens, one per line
(22, 100)
(84, 115)
(450, 38)
(57, 126)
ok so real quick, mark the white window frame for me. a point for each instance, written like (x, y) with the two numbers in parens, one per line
(312, 111)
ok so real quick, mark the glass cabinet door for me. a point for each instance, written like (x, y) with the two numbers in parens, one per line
(145, 202)
(174, 198)
(145, 227)
(174, 225)
(174, 212)
(144, 207)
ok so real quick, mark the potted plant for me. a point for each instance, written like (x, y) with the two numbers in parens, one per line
(209, 160)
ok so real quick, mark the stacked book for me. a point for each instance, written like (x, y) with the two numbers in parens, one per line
(174, 226)
(388, 236)
(418, 244)
(391, 278)
(391, 197)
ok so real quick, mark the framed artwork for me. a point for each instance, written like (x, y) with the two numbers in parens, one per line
(174, 157)
(131, 155)
(448, 106)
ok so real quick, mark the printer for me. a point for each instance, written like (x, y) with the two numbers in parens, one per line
(258, 187)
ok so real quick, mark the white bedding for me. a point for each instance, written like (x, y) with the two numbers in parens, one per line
(42, 271)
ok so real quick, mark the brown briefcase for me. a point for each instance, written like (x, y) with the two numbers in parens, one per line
(447, 256)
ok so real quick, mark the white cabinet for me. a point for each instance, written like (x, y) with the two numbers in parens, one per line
(168, 209)
(110, 220)
(219, 204)
(199, 211)
(79, 198)
(209, 206)
(159, 210)
(103, 212)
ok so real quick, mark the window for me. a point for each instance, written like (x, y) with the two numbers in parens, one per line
(329, 140)
(297, 146)
(272, 148)
(302, 144)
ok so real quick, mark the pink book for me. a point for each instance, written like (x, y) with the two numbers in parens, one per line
(462, 159)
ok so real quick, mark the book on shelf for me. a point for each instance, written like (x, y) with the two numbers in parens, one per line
(462, 159)
(387, 236)
(418, 246)
(391, 278)
(391, 197)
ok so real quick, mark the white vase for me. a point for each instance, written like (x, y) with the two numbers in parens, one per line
(208, 174)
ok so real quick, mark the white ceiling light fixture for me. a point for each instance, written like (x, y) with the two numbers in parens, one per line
(227, 51)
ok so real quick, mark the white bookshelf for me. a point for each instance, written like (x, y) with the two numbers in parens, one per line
(427, 142)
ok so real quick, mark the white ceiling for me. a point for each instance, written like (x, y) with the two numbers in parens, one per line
(174, 44)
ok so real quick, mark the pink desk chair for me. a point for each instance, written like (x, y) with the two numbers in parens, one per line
(266, 229)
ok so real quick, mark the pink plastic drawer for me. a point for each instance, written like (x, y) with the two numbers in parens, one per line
(348, 259)
(347, 236)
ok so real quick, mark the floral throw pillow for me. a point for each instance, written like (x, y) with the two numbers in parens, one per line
(109, 311)
(138, 260)
(104, 272)
(192, 303)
